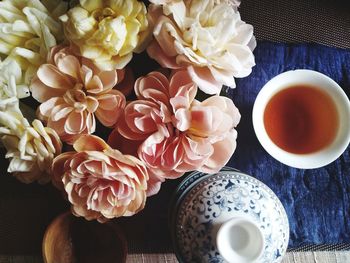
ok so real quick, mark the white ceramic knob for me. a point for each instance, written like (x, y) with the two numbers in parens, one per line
(240, 240)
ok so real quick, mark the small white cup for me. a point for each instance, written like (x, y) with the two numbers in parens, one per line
(312, 78)
(240, 240)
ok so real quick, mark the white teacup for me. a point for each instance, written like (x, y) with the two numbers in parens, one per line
(304, 77)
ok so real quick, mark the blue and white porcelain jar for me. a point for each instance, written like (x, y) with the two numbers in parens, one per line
(228, 217)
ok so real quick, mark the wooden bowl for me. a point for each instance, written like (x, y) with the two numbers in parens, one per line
(69, 239)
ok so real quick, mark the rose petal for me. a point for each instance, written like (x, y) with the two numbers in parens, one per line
(109, 79)
(95, 85)
(224, 77)
(92, 104)
(90, 143)
(58, 167)
(155, 51)
(46, 107)
(69, 65)
(75, 123)
(205, 80)
(61, 112)
(223, 151)
(52, 77)
(42, 92)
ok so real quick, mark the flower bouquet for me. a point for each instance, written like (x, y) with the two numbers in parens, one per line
(74, 112)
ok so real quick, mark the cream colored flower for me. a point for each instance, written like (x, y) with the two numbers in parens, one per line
(11, 88)
(108, 32)
(207, 37)
(234, 3)
(28, 29)
(30, 148)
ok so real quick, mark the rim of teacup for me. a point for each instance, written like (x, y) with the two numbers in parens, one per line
(306, 77)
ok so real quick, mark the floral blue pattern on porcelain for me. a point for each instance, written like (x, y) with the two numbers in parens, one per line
(205, 202)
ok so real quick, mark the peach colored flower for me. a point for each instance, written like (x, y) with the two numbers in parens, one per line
(175, 132)
(108, 32)
(101, 183)
(213, 121)
(73, 92)
(208, 38)
(126, 146)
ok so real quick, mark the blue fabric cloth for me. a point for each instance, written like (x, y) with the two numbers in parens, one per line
(317, 201)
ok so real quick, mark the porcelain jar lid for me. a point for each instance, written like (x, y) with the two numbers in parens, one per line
(227, 217)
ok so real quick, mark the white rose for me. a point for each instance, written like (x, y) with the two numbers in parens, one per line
(207, 37)
(28, 29)
(30, 148)
(11, 83)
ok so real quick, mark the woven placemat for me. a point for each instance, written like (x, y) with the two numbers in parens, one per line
(291, 257)
(320, 21)
(324, 247)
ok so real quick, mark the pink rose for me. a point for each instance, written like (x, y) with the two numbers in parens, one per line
(126, 146)
(171, 157)
(100, 182)
(150, 118)
(214, 121)
(73, 92)
(151, 112)
(174, 132)
(206, 144)
(213, 118)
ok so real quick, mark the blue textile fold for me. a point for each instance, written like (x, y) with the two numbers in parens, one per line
(317, 201)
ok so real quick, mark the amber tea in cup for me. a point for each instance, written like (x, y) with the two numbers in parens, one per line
(301, 119)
